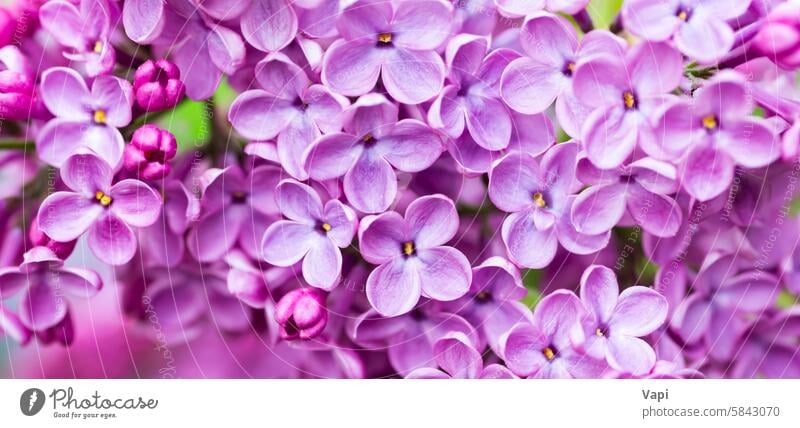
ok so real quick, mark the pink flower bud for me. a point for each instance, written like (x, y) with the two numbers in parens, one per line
(149, 152)
(17, 94)
(157, 85)
(8, 25)
(779, 37)
(39, 239)
(302, 314)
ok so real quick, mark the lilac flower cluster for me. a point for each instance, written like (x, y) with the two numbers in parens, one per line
(413, 188)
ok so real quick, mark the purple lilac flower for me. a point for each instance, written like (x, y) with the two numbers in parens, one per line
(93, 204)
(639, 189)
(713, 134)
(149, 152)
(163, 242)
(714, 315)
(409, 339)
(288, 107)
(394, 40)
(157, 85)
(188, 303)
(411, 255)
(531, 83)
(44, 278)
(472, 100)
(623, 93)
(203, 49)
(548, 348)
(618, 320)
(252, 283)
(531, 134)
(458, 359)
(371, 147)
(699, 28)
(769, 348)
(84, 119)
(313, 232)
(302, 314)
(492, 303)
(235, 209)
(538, 198)
(85, 30)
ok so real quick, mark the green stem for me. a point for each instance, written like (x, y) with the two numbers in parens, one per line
(16, 145)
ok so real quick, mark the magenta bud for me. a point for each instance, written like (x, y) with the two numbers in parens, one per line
(157, 85)
(150, 151)
(779, 36)
(17, 92)
(8, 25)
(39, 239)
(302, 314)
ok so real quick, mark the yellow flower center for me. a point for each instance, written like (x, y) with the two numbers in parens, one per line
(326, 227)
(367, 138)
(385, 38)
(538, 199)
(571, 66)
(408, 248)
(629, 99)
(599, 332)
(104, 199)
(548, 353)
(682, 15)
(710, 122)
(100, 116)
(98, 47)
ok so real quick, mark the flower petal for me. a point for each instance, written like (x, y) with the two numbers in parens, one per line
(136, 203)
(640, 311)
(269, 25)
(112, 241)
(322, 266)
(259, 116)
(530, 86)
(457, 356)
(64, 92)
(41, 308)
(86, 174)
(630, 355)
(65, 216)
(393, 288)
(286, 242)
(410, 146)
(371, 185)
(381, 237)
(599, 291)
(351, 68)
(513, 181)
(444, 273)
(298, 202)
(707, 172)
(528, 246)
(657, 214)
(432, 220)
(598, 208)
(412, 77)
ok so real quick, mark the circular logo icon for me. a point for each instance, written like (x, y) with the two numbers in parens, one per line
(31, 401)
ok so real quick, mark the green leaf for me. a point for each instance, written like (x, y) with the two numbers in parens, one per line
(603, 12)
(190, 122)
